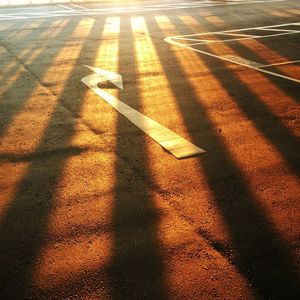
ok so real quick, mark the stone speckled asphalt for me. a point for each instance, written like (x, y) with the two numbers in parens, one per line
(93, 208)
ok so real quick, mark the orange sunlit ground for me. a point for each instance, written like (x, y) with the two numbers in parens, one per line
(170, 173)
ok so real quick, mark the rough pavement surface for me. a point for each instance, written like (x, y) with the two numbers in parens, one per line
(92, 208)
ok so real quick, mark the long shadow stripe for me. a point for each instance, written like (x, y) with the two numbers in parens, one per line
(255, 242)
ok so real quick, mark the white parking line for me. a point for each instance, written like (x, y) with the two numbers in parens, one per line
(69, 11)
(238, 34)
(66, 7)
(282, 63)
(178, 40)
(240, 60)
(79, 6)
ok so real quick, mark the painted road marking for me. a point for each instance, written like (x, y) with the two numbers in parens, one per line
(237, 32)
(66, 7)
(169, 140)
(240, 60)
(70, 12)
(282, 63)
(79, 6)
(209, 2)
(179, 41)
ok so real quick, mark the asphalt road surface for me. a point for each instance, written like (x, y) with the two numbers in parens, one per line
(92, 207)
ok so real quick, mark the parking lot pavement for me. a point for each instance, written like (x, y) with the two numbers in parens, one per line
(166, 169)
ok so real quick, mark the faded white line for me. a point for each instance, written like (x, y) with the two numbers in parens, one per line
(241, 60)
(235, 62)
(278, 30)
(69, 12)
(234, 59)
(66, 7)
(240, 29)
(238, 34)
(203, 42)
(282, 63)
(79, 6)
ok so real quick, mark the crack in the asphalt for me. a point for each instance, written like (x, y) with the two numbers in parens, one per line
(27, 68)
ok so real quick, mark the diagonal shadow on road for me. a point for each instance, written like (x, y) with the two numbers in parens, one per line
(260, 254)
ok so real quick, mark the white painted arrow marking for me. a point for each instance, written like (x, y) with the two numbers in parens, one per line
(169, 140)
